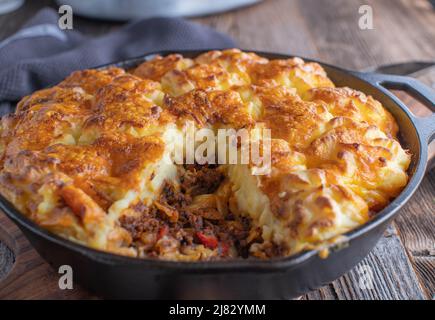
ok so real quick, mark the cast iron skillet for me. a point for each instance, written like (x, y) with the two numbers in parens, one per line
(124, 277)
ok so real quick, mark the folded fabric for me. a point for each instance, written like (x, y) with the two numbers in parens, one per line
(41, 54)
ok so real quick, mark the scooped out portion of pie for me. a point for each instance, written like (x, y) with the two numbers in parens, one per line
(93, 158)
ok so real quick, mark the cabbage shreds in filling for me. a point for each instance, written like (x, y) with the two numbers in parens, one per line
(191, 219)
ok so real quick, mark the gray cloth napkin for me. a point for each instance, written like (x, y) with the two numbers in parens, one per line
(41, 54)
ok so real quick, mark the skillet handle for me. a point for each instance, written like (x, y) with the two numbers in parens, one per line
(419, 91)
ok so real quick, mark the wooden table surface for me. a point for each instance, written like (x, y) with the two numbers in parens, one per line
(403, 262)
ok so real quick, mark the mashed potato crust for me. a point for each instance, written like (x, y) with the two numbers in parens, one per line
(90, 158)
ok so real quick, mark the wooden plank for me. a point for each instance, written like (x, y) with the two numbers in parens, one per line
(343, 42)
(7, 258)
(278, 27)
(425, 267)
(31, 277)
(393, 276)
(328, 30)
(416, 226)
(416, 223)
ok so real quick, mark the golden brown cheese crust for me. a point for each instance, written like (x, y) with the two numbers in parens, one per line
(205, 108)
(290, 73)
(354, 104)
(76, 156)
(289, 117)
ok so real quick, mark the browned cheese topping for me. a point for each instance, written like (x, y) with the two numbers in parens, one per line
(90, 160)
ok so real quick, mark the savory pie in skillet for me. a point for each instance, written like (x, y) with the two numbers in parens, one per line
(91, 159)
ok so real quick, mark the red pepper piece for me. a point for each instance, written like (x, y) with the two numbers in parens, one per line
(163, 231)
(224, 248)
(208, 241)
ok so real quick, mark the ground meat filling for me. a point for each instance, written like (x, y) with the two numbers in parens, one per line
(197, 179)
(191, 215)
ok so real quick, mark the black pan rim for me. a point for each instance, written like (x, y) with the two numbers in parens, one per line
(235, 264)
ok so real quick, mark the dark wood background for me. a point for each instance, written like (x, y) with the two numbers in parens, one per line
(403, 262)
